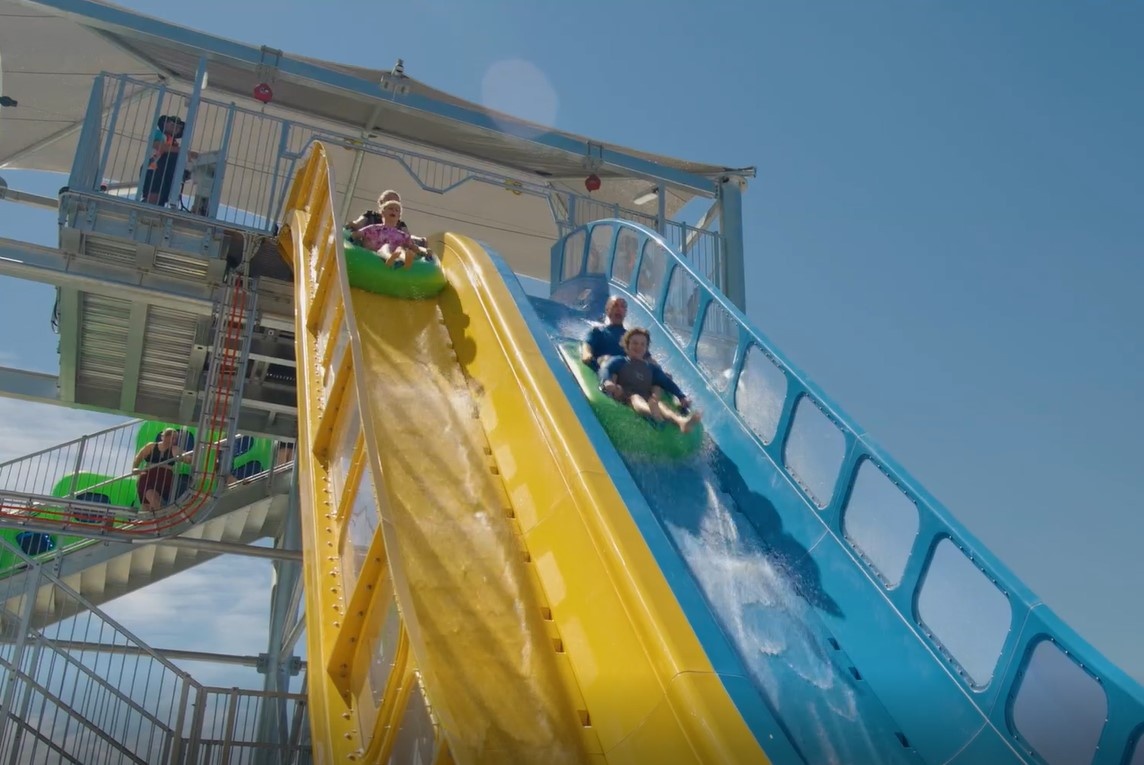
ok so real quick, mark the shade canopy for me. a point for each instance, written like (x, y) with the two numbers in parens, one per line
(51, 51)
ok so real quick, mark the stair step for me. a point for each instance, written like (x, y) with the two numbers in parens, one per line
(138, 566)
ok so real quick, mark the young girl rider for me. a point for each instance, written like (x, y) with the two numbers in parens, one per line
(394, 244)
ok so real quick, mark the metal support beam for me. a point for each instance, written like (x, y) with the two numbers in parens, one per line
(734, 271)
(267, 397)
(293, 615)
(133, 357)
(68, 307)
(27, 198)
(35, 388)
(661, 210)
(47, 265)
(16, 654)
(174, 654)
(293, 635)
(23, 385)
(273, 725)
(713, 214)
(229, 548)
(192, 117)
(275, 351)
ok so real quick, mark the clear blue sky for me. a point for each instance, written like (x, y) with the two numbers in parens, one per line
(946, 231)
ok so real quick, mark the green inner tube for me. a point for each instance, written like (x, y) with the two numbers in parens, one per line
(367, 271)
(90, 487)
(630, 432)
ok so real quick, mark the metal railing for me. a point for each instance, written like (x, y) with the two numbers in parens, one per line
(81, 485)
(229, 164)
(41, 538)
(702, 248)
(37, 496)
(104, 453)
(230, 725)
(995, 646)
(235, 164)
(86, 690)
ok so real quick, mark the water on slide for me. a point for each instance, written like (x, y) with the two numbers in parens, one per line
(764, 590)
(467, 584)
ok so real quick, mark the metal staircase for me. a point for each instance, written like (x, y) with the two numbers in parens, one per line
(102, 571)
(30, 501)
(177, 315)
(85, 691)
(156, 319)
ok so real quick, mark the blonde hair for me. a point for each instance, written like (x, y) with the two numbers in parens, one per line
(391, 203)
(389, 195)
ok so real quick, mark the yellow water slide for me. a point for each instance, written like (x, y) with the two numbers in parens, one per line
(476, 591)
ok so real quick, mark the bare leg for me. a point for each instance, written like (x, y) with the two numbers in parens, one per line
(396, 258)
(683, 422)
(646, 408)
(152, 501)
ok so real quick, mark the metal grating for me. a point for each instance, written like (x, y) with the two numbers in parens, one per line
(167, 344)
(185, 266)
(103, 327)
(110, 251)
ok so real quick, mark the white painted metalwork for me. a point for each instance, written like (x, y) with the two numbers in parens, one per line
(86, 690)
(239, 161)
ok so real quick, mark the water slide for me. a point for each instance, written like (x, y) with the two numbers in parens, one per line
(490, 580)
(505, 608)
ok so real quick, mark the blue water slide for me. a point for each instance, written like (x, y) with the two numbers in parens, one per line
(852, 607)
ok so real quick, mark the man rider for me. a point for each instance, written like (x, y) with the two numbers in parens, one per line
(605, 340)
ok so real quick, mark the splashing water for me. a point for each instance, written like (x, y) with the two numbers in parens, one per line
(754, 586)
(756, 597)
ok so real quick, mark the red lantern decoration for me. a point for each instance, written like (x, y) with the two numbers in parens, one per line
(592, 183)
(263, 93)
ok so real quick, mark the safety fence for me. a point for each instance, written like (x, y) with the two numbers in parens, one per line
(155, 145)
(989, 644)
(701, 248)
(90, 487)
(87, 691)
(152, 144)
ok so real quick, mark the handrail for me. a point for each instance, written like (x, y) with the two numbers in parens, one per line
(81, 535)
(82, 518)
(652, 280)
(75, 441)
(141, 705)
(40, 670)
(247, 158)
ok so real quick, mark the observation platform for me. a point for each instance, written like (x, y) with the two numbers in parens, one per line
(139, 283)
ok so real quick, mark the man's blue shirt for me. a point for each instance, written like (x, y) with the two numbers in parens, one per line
(604, 341)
